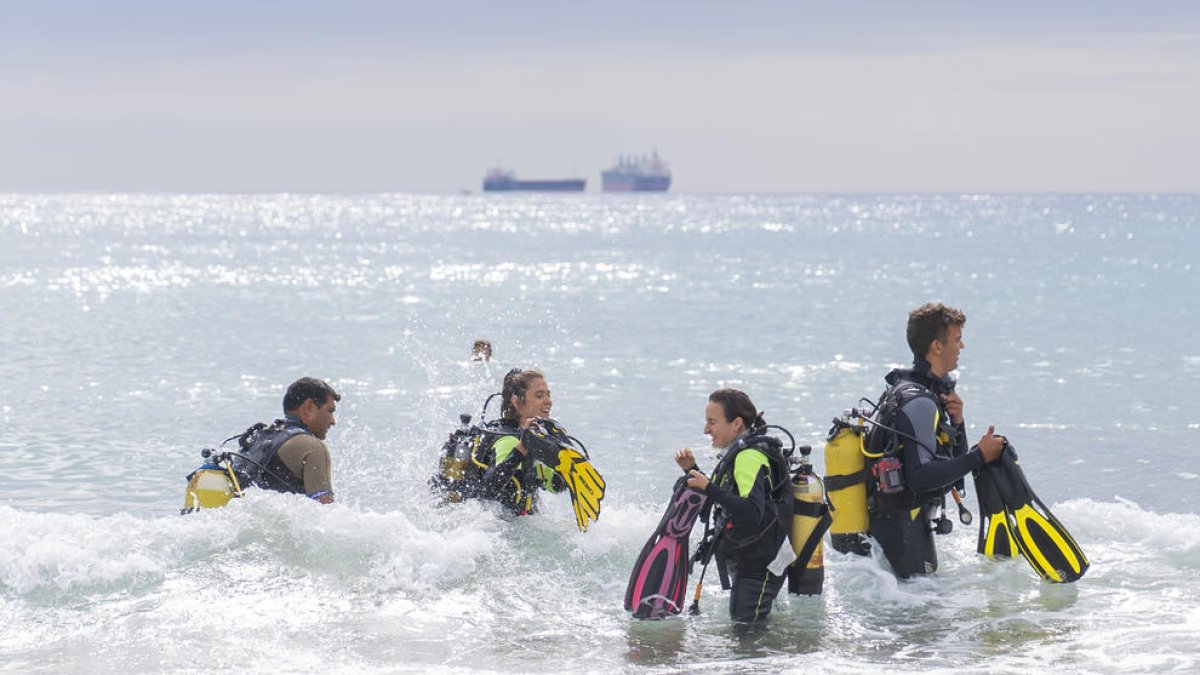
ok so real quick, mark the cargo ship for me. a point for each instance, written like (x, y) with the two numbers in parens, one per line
(637, 174)
(502, 180)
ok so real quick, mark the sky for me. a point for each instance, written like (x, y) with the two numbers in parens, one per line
(750, 96)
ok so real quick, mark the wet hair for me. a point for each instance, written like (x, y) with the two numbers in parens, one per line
(482, 349)
(307, 388)
(516, 383)
(735, 403)
(930, 322)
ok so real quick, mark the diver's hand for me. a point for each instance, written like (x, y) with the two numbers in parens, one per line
(991, 445)
(697, 480)
(533, 437)
(954, 407)
(685, 459)
(520, 447)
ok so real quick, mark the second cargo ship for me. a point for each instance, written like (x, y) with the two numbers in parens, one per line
(637, 174)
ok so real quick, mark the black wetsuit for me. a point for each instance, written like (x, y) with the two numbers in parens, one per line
(750, 528)
(932, 465)
(512, 478)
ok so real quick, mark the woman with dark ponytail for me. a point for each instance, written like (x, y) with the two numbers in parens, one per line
(743, 490)
(513, 478)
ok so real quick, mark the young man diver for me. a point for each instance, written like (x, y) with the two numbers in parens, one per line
(926, 432)
(290, 455)
(744, 487)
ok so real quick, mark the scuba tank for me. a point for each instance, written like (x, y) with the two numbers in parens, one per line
(458, 466)
(217, 481)
(452, 466)
(846, 482)
(213, 484)
(810, 519)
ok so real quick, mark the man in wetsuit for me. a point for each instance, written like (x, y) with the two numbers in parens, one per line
(290, 455)
(931, 439)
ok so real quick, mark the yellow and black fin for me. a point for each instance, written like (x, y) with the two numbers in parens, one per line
(1024, 523)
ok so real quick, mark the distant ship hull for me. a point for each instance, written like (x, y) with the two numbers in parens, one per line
(624, 182)
(513, 185)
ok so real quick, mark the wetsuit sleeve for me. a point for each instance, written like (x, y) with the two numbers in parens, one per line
(507, 463)
(504, 447)
(746, 506)
(919, 418)
(308, 458)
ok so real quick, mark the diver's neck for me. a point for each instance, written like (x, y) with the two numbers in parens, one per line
(936, 370)
(734, 441)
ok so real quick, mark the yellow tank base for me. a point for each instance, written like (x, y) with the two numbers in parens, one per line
(208, 489)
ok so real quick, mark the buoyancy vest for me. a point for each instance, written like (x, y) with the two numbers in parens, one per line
(753, 547)
(886, 441)
(467, 455)
(261, 466)
(529, 476)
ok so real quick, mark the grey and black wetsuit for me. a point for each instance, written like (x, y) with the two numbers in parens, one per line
(932, 465)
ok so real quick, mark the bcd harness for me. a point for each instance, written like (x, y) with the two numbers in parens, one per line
(756, 549)
(470, 452)
(884, 445)
(467, 455)
(258, 462)
(864, 455)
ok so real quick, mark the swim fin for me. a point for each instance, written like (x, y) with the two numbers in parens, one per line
(995, 539)
(552, 446)
(1023, 522)
(658, 583)
(585, 484)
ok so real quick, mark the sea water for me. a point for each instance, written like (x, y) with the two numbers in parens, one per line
(139, 329)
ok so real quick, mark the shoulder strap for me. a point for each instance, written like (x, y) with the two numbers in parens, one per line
(260, 446)
(883, 438)
(772, 447)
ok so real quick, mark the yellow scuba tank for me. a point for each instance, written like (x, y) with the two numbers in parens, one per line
(212, 485)
(457, 455)
(810, 519)
(846, 482)
(453, 470)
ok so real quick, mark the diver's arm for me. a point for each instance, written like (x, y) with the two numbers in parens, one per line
(917, 419)
(307, 457)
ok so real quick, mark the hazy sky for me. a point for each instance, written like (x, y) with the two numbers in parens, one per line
(788, 96)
